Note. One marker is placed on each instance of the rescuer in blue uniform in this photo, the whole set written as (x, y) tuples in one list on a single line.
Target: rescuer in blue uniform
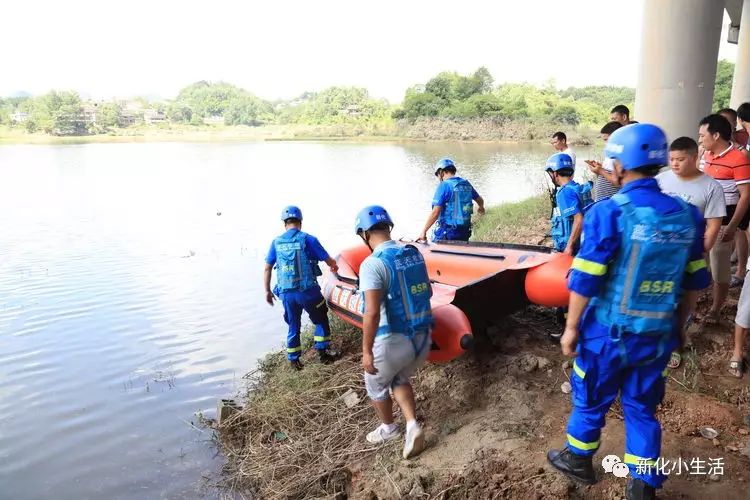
[(296, 255), (452, 205), (571, 199), (396, 325), (640, 261)]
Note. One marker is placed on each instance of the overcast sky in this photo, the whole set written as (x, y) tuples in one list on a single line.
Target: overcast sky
[(280, 48)]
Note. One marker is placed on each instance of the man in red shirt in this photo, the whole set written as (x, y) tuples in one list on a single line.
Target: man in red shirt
[(731, 168)]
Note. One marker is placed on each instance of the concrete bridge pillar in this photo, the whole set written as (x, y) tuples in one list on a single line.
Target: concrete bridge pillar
[(741, 83), (679, 52)]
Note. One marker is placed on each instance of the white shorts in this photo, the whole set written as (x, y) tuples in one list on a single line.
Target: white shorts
[(396, 360)]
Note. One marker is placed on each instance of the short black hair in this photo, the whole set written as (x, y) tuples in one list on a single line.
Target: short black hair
[(560, 136), (622, 109), (649, 170), (717, 124), (610, 127), (292, 220), (728, 111), (451, 169), (686, 144), (743, 112), (381, 226), (565, 172)]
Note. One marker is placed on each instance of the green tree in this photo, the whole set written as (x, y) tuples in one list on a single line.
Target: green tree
[(422, 104), (109, 115), (483, 76), (179, 112), (246, 110), (566, 115), (58, 113), (442, 86), (723, 84)]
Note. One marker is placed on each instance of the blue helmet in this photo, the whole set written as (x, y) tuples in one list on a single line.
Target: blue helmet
[(369, 216), (442, 163), (638, 145), (291, 212), (559, 161)]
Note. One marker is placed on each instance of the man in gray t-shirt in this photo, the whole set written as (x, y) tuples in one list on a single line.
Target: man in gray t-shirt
[(389, 355), (686, 181)]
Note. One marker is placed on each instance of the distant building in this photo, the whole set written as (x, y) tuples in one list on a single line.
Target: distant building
[(131, 113), (151, 116), (19, 117), (89, 110), (214, 120)]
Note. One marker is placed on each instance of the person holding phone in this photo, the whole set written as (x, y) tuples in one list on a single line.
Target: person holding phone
[(605, 184)]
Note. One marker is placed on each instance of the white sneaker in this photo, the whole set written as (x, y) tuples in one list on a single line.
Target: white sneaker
[(382, 434), (414, 442)]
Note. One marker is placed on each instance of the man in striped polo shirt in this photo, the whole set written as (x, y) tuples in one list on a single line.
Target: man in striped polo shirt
[(731, 168)]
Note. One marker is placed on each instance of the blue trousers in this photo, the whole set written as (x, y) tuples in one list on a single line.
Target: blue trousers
[(453, 233), (312, 302), (634, 367)]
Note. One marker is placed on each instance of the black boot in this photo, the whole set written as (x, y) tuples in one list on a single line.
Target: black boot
[(296, 364), (576, 467), (328, 356), (639, 490)]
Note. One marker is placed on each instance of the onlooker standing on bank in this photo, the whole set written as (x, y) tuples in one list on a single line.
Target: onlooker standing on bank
[(605, 184), (686, 181), (731, 168), (560, 143)]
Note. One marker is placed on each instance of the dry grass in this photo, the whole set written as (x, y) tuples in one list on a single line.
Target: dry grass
[(295, 438)]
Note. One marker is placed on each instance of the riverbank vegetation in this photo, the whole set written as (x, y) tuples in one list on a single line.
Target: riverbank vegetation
[(447, 106), (489, 416)]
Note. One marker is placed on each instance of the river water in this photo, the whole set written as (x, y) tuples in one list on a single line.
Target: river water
[(128, 305)]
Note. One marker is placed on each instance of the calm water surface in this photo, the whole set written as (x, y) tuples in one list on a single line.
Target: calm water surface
[(127, 305)]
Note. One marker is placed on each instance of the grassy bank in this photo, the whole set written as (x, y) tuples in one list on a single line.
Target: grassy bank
[(420, 130), (525, 222), (218, 133)]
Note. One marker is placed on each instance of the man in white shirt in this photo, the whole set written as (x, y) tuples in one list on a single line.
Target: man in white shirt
[(560, 143)]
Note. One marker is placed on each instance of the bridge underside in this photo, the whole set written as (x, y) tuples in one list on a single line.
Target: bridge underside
[(679, 53)]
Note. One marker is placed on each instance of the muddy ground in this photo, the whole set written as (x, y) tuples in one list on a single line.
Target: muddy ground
[(491, 416)]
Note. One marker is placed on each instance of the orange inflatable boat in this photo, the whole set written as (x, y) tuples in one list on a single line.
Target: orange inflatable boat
[(473, 285)]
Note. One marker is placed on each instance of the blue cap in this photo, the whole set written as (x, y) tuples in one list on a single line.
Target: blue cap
[(369, 216), (559, 161), (442, 163), (638, 145), (291, 212)]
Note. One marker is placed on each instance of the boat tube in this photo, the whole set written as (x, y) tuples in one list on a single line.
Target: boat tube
[(473, 284)]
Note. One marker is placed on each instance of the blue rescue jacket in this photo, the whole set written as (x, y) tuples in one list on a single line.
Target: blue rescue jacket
[(407, 303), (458, 210), (562, 226), (642, 289), (295, 270)]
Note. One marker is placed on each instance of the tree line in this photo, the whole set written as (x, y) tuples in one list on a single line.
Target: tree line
[(446, 95)]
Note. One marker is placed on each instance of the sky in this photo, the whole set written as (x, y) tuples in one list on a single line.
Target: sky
[(281, 48)]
